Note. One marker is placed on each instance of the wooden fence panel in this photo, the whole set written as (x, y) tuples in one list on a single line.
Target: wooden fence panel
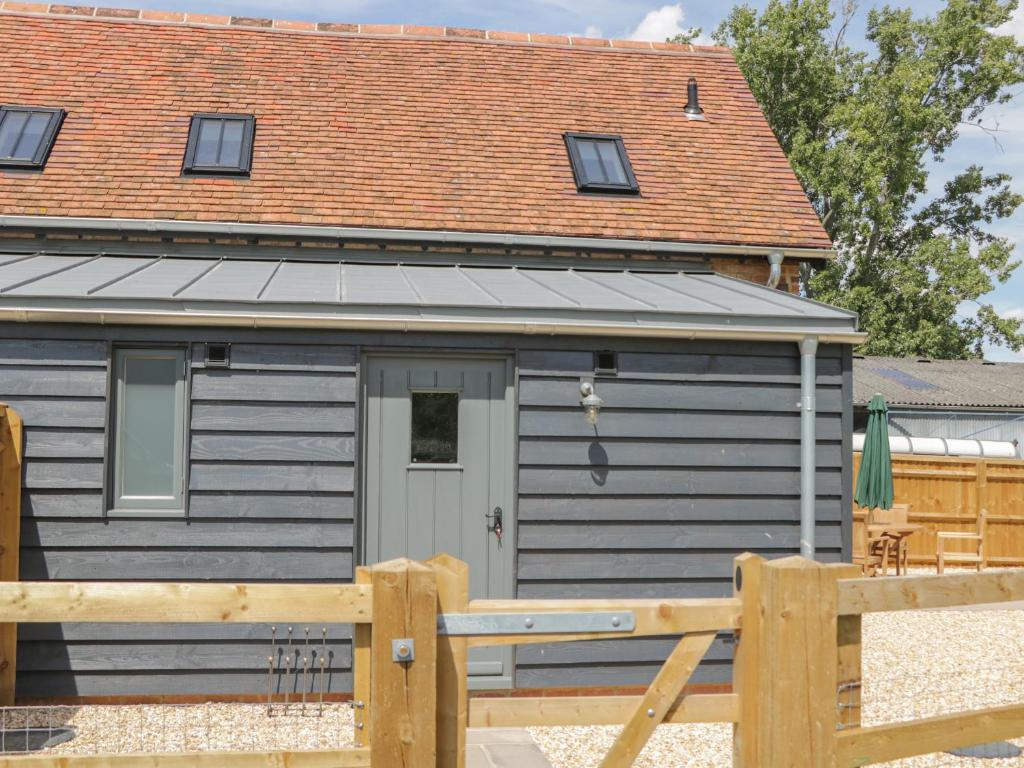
[(945, 494)]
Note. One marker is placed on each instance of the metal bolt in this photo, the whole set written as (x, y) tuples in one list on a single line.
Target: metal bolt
[(358, 704), (359, 726), (615, 621), (650, 713), (403, 650), (528, 622)]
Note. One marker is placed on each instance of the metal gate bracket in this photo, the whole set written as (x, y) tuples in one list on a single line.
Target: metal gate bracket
[(403, 649), (535, 623)]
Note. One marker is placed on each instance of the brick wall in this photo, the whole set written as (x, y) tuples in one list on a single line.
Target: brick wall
[(756, 270)]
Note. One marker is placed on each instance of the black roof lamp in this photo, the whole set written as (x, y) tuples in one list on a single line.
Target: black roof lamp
[(692, 109)]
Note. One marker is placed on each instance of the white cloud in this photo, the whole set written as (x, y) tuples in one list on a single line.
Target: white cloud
[(1015, 26), (661, 24)]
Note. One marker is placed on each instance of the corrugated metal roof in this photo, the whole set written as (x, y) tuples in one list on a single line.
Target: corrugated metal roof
[(347, 292), (939, 383)]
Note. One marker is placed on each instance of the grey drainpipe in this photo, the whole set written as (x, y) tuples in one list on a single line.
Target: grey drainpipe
[(775, 262), (808, 467)]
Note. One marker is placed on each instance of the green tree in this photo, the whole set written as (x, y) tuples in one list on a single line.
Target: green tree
[(687, 37), (860, 126)]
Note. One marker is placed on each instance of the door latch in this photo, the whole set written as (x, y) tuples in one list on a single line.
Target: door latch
[(495, 527)]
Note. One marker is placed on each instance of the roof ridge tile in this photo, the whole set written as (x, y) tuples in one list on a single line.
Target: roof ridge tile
[(339, 28)]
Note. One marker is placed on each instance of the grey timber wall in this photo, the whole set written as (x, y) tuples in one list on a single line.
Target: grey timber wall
[(695, 459), (272, 451)]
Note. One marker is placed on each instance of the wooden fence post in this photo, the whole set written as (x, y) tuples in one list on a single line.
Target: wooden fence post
[(746, 667), (361, 666), (10, 536), (452, 693), (403, 695), (848, 638), (795, 720)]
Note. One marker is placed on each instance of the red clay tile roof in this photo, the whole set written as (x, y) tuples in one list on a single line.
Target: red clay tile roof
[(394, 127)]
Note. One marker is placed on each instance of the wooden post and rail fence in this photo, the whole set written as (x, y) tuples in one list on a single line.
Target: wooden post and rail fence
[(796, 673), (797, 668), (945, 493)]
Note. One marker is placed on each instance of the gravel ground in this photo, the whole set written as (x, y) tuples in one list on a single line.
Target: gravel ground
[(916, 664), (104, 729)]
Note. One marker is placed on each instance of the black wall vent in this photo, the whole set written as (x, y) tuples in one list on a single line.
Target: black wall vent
[(606, 363), (218, 355)]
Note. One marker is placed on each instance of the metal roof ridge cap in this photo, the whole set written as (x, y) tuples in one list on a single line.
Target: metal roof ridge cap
[(8, 221)]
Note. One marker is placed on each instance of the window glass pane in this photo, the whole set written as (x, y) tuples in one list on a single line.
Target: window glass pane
[(231, 146), (612, 162), (435, 427), (591, 162), (208, 143), (32, 137), (148, 425), (10, 131)]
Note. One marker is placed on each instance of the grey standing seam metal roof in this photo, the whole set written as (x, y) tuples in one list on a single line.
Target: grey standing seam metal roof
[(661, 300), (938, 384)]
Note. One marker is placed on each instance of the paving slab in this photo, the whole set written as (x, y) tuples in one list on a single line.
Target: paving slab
[(503, 748)]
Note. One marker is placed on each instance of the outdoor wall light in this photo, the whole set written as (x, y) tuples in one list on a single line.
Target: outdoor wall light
[(590, 401)]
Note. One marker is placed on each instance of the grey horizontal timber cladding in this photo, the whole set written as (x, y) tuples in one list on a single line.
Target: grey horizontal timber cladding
[(680, 509), (285, 357), (623, 566), (55, 352), (612, 674), (63, 473), (38, 502), (690, 396), (640, 649), (240, 476), (93, 632), (300, 505), (55, 442), (120, 533), (568, 422), (691, 453), (51, 381), (272, 447), (272, 386), (668, 536), (152, 564), (638, 589), (201, 682), (169, 656), (670, 480), (59, 412), (273, 417)]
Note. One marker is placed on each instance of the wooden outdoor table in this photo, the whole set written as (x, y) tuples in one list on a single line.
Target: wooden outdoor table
[(897, 531)]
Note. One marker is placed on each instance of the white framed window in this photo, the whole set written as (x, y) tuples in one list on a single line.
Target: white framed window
[(148, 431)]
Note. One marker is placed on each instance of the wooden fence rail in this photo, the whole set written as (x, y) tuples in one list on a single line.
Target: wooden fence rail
[(945, 494)]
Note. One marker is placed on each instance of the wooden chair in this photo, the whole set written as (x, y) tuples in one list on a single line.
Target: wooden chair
[(899, 514), (978, 539), (875, 549)]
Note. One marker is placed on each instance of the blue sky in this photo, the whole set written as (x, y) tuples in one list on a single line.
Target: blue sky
[(656, 20)]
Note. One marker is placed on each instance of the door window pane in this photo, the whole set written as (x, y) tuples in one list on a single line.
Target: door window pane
[(149, 429), (435, 427)]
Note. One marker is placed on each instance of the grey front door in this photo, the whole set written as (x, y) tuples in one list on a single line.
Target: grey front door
[(439, 465)]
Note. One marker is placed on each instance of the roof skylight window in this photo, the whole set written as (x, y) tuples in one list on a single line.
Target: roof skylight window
[(220, 144), (600, 164), (27, 135)]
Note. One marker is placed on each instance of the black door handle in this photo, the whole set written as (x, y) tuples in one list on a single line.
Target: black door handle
[(495, 527)]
